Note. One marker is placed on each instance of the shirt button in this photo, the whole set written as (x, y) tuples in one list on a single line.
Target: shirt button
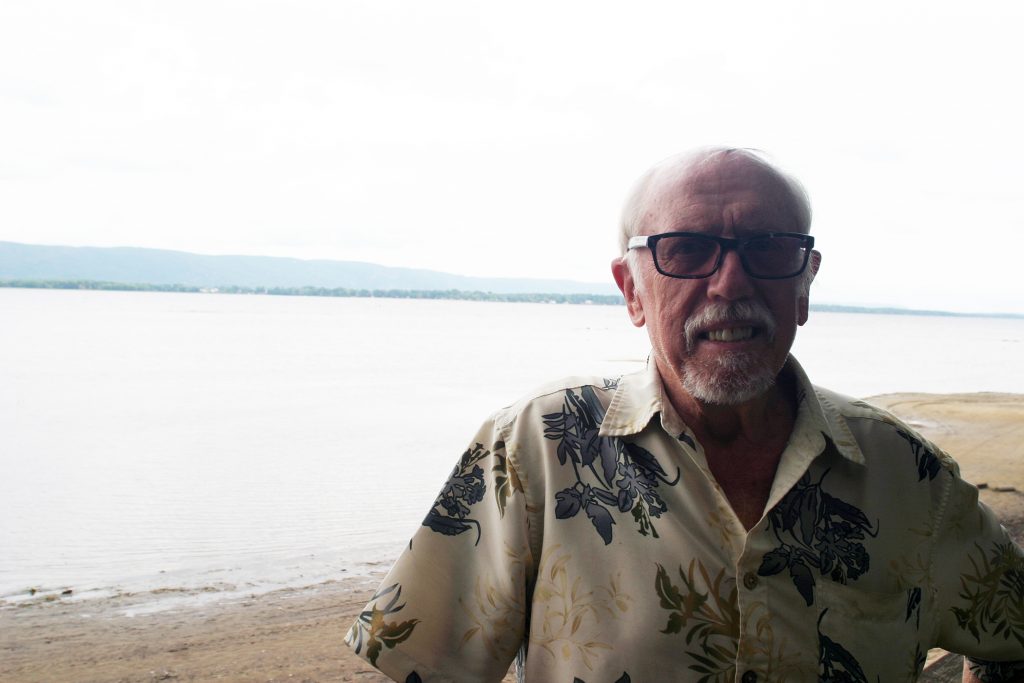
[(749, 677), (750, 583)]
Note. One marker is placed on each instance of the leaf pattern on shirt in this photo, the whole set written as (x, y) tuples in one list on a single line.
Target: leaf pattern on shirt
[(465, 487), (928, 464), (506, 478), (914, 606), (572, 610), (712, 624), (835, 663), (818, 531), (912, 567), (993, 595), (497, 609), (761, 643), (371, 629), (720, 520), (610, 473), (995, 672)]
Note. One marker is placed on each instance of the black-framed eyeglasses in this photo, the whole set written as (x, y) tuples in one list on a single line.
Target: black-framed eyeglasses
[(693, 255)]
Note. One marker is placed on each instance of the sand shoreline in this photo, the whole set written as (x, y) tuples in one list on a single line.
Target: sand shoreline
[(291, 634), (294, 634)]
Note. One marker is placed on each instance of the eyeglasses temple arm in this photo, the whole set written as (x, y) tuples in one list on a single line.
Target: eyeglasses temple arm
[(637, 241)]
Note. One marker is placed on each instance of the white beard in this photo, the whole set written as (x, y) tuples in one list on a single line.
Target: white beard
[(733, 378), (728, 379)]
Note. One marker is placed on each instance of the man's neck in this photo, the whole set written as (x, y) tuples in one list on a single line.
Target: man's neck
[(742, 443)]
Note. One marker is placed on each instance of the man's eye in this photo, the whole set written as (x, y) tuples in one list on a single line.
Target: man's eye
[(691, 247), (763, 244)]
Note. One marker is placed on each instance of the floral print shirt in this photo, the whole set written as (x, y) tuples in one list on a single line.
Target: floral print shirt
[(583, 535)]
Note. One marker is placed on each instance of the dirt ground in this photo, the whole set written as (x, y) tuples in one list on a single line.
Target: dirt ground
[(295, 634)]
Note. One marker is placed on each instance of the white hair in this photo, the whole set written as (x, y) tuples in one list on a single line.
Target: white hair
[(636, 202)]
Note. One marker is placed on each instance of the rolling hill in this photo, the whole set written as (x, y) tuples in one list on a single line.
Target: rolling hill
[(164, 267)]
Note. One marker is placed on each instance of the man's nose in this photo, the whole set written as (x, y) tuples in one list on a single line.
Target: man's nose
[(730, 282)]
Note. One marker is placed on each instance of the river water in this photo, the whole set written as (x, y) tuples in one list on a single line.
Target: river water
[(219, 443)]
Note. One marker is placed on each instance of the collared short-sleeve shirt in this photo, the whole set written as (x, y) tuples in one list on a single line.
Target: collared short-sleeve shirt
[(583, 531)]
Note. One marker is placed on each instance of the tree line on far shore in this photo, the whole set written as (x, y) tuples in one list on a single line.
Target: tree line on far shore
[(458, 294), (598, 299)]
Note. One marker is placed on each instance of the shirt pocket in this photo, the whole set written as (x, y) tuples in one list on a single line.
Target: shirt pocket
[(870, 636)]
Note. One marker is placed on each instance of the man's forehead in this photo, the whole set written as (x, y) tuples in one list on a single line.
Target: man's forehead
[(719, 173), (718, 189)]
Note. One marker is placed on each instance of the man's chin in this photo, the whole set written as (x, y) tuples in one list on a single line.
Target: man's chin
[(728, 384)]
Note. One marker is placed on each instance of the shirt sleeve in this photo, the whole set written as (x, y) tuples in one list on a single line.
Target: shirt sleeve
[(453, 607), (979, 581)]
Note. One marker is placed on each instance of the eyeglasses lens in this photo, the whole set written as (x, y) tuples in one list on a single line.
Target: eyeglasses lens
[(777, 256), (687, 255)]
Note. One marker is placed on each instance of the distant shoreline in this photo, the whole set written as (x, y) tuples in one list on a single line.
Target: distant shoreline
[(448, 294), (342, 292)]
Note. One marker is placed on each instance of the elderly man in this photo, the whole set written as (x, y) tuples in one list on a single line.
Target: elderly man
[(714, 517)]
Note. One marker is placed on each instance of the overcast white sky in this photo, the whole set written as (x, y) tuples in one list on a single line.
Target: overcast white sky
[(500, 138)]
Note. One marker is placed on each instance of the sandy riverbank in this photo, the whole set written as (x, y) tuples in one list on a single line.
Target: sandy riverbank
[(295, 635)]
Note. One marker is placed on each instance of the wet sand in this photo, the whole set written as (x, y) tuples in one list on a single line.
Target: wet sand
[(296, 634)]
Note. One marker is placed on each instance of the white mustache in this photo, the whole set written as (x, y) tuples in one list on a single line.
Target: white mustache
[(740, 313)]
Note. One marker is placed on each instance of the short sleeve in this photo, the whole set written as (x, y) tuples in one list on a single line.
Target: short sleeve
[(453, 607), (979, 575)]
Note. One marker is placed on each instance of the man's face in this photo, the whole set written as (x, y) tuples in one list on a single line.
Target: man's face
[(724, 338)]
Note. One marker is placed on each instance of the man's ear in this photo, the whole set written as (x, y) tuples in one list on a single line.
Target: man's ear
[(803, 302), (624, 279)]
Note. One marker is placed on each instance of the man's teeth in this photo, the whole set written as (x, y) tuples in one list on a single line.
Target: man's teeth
[(731, 334)]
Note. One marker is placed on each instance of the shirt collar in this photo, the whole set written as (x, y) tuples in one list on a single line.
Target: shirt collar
[(639, 397), (635, 401)]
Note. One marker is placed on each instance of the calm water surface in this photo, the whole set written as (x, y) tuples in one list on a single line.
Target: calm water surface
[(242, 443)]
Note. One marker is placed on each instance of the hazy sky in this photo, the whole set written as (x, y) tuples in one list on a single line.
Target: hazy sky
[(491, 138)]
